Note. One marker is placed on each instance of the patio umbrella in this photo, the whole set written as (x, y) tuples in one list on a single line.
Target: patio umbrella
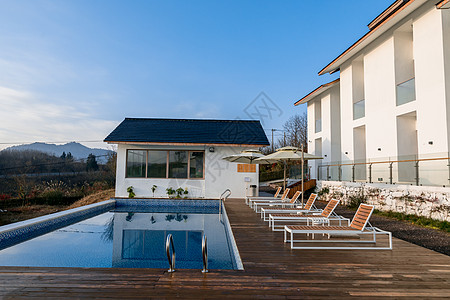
[(246, 157), (287, 154)]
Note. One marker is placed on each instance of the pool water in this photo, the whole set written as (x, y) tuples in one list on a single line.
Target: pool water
[(129, 238)]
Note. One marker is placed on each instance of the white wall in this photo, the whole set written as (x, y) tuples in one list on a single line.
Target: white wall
[(219, 175)]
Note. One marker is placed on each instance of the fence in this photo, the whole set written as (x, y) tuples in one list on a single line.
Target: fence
[(432, 170)]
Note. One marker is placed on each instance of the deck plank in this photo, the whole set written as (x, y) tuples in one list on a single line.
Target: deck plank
[(272, 270)]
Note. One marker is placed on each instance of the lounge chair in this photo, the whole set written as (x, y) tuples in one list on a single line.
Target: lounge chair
[(270, 199), (276, 196), (286, 203), (324, 217), (308, 208), (358, 228)]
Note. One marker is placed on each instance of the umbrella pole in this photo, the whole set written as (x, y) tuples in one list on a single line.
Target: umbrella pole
[(303, 161), (284, 181)]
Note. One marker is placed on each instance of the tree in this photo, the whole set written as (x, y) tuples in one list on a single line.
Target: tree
[(91, 163), (295, 132), (63, 155), (69, 156)]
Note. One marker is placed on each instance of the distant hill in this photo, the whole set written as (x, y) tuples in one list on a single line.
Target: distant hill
[(78, 151)]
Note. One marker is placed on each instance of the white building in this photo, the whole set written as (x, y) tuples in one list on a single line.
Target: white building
[(184, 153), (392, 101)]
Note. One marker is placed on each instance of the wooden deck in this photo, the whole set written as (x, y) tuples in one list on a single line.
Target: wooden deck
[(272, 271)]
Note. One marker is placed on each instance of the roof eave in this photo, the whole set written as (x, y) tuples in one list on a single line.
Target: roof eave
[(370, 36), (316, 92), (186, 144)]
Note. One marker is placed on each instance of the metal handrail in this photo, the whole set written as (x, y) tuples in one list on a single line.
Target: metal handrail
[(169, 242), (387, 161), (224, 192), (205, 254), (223, 198)]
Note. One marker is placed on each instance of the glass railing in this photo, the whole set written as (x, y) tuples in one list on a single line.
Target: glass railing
[(430, 170), (318, 127), (359, 109), (406, 92)]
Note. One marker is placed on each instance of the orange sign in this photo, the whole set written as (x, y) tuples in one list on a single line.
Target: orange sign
[(246, 168)]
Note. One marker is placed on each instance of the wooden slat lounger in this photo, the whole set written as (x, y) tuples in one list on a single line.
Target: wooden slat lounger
[(308, 208), (250, 201), (276, 196), (314, 218), (288, 203), (358, 226)]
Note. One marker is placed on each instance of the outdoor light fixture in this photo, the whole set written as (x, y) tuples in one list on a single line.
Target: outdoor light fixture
[(379, 149), (211, 149), (430, 142)]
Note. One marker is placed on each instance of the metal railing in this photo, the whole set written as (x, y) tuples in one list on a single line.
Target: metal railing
[(205, 254), (433, 171), (171, 259), (223, 197)]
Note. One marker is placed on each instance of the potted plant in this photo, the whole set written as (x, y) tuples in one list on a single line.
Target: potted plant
[(180, 192), (153, 190), (130, 191), (185, 192), (170, 192)]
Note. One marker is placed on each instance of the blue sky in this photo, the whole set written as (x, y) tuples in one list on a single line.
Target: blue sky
[(72, 70)]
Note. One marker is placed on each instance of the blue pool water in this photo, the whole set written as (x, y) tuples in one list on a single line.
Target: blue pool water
[(131, 237)]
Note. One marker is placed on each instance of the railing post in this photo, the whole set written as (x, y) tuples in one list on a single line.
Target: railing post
[(353, 173), (328, 172), (318, 172), (370, 173), (339, 173), (417, 172), (390, 172)]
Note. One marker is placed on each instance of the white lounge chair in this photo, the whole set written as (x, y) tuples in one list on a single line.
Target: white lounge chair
[(275, 196), (270, 199), (324, 217), (287, 203), (308, 208), (359, 227)]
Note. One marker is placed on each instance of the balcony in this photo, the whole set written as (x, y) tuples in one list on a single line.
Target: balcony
[(359, 109), (318, 127), (406, 92)]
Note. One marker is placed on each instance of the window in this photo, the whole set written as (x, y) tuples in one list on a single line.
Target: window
[(165, 164), (136, 160), (178, 164), (196, 164), (157, 164)]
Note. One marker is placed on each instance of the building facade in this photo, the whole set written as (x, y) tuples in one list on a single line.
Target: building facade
[(388, 117), (186, 154)]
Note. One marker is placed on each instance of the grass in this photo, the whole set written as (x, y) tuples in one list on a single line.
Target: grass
[(417, 220), (24, 212)]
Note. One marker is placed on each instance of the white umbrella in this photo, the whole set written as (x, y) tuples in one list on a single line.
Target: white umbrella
[(287, 154), (246, 157)]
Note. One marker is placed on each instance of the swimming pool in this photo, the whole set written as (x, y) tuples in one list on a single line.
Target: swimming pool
[(126, 234)]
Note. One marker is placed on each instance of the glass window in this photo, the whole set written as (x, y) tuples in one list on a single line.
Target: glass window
[(196, 164), (178, 164), (157, 164), (136, 160), (406, 92), (359, 109)]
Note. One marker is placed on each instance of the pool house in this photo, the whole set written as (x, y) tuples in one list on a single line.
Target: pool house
[(184, 153)]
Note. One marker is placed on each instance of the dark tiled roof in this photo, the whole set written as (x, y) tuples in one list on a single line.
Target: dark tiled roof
[(242, 132)]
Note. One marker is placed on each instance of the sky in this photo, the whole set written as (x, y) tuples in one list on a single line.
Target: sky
[(73, 70)]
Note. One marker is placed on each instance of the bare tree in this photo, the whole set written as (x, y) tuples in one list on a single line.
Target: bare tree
[(295, 132)]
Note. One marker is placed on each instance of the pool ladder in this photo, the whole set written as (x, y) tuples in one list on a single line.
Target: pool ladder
[(224, 196), (171, 258)]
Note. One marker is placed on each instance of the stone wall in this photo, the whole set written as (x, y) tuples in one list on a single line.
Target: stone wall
[(427, 201)]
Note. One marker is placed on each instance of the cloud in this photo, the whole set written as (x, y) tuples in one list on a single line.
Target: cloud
[(26, 117)]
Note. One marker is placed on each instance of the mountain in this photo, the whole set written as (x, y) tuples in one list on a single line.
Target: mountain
[(78, 151)]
